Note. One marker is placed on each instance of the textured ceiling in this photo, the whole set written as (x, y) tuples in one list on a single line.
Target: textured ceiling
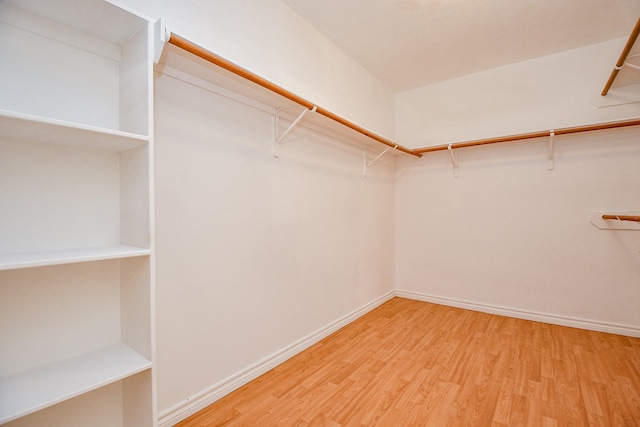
[(411, 43)]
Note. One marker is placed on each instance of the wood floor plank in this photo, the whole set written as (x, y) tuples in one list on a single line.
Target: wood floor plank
[(411, 363), (503, 406)]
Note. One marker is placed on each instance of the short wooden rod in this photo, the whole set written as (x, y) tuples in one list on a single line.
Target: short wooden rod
[(622, 58), (634, 218), (248, 75), (523, 136)]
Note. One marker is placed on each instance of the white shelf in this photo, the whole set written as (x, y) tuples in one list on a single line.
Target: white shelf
[(21, 127), (30, 391), (68, 256)]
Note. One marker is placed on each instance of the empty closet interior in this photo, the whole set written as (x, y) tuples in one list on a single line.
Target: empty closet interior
[(190, 196)]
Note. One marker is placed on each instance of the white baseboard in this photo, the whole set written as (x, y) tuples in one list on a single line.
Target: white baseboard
[(627, 330), (206, 397)]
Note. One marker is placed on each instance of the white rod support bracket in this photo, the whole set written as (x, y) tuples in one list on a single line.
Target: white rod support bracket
[(364, 162), (552, 134), (368, 165), (633, 66), (160, 37), (275, 150), (277, 140), (454, 160)]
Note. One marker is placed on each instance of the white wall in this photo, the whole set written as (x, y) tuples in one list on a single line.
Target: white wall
[(508, 235), (545, 93), (267, 38), (255, 253)]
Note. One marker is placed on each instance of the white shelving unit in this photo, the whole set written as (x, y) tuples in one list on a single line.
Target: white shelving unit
[(76, 281)]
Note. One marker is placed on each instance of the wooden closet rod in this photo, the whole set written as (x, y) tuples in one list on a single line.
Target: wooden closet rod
[(230, 66), (634, 218), (541, 134), (623, 57)]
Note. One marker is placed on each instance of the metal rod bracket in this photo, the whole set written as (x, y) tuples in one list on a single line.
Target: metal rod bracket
[(278, 139), (623, 57), (366, 165), (552, 134), (454, 160), (632, 66)]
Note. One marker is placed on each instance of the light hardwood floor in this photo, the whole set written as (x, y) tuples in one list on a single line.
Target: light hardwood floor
[(410, 363)]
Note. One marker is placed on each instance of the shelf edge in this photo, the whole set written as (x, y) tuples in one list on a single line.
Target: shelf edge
[(70, 256)]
